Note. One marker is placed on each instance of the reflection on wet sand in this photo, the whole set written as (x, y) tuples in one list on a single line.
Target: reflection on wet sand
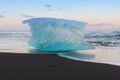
[(107, 55), (77, 55), (68, 54)]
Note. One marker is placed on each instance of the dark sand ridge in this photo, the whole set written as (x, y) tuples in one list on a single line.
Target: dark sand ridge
[(52, 67)]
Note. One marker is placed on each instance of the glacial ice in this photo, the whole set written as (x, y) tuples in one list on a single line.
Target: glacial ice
[(51, 34)]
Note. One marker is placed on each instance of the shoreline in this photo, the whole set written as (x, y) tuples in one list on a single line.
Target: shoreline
[(106, 55), (50, 66)]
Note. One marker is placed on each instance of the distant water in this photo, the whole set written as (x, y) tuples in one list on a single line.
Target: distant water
[(20, 39), (12, 40)]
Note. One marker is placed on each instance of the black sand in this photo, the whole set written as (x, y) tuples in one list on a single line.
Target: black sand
[(53, 67)]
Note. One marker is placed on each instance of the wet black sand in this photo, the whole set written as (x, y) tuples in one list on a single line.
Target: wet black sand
[(52, 67)]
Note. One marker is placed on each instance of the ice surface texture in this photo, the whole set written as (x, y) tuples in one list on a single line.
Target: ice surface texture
[(51, 34)]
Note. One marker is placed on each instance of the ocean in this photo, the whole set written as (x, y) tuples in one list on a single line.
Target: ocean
[(13, 40), (20, 39), (107, 46), (111, 38)]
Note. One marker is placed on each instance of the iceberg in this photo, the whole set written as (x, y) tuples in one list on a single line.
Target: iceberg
[(51, 34)]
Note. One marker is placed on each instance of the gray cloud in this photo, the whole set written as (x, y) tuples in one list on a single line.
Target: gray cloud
[(48, 5), (27, 16), (1, 16)]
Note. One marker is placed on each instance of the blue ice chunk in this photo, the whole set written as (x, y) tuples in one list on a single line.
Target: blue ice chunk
[(51, 34)]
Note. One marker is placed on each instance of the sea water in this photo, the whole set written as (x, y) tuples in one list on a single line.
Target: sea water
[(20, 39), (107, 46), (14, 40)]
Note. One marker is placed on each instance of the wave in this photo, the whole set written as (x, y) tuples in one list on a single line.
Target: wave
[(104, 38)]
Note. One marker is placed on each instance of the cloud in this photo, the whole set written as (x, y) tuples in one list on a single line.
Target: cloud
[(50, 9), (1, 16), (48, 5), (27, 16)]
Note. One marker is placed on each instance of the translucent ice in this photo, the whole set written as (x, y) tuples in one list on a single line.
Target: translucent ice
[(50, 34)]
